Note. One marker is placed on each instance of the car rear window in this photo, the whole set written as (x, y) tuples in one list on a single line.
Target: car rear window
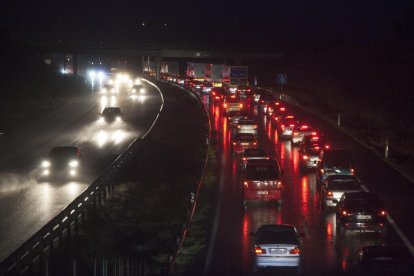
[(245, 138), (362, 204), (281, 237), (337, 161), (262, 172), (254, 152)]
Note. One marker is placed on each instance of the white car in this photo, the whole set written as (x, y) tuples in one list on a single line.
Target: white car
[(277, 245), (247, 126), (336, 185)]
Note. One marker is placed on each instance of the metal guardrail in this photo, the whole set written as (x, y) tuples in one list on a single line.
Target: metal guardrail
[(30, 255), (194, 194)]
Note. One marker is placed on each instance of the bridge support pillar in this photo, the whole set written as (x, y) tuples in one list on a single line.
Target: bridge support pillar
[(158, 67)]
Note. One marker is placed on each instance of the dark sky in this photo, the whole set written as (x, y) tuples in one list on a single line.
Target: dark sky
[(256, 22)]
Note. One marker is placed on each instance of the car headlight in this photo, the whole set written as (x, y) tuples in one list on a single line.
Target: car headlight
[(46, 172), (73, 164), (72, 172), (118, 118), (142, 90), (45, 164)]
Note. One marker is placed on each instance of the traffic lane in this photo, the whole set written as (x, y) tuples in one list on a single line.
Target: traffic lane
[(323, 252), (38, 202), (396, 191)]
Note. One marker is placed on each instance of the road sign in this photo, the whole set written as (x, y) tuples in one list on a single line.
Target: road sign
[(238, 72), (281, 78)]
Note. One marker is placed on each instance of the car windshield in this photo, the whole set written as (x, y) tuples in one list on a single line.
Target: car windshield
[(258, 172), (111, 111), (247, 122), (63, 153), (363, 204), (344, 184), (277, 237)]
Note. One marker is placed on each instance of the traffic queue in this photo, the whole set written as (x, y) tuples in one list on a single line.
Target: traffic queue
[(261, 177)]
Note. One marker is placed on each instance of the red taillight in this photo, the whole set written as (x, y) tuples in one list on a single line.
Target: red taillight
[(382, 213), (217, 98), (329, 194), (238, 126), (254, 143), (345, 213), (327, 147), (234, 143), (233, 96), (352, 171), (248, 90), (282, 126), (241, 105), (291, 125), (317, 148), (305, 157), (295, 133), (295, 251), (314, 133), (282, 109), (304, 127), (225, 105), (259, 250), (244, 158), (214, 93), (245, 184), (279, 185)]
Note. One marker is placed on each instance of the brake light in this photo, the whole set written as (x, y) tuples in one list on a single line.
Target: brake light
[(217, 98), (317, 148), (248, 90), (327, 147), (233, 96), (304, 127), (234, 143), (382, 213), (314, 133), (279, 185), (255, 126), (329, 194), (282, 109), (305, 157), (241, 105), (244, 159), (282, 126), (214, 93), (238, 126), (254, 143), (295, 133), (291, 125), (322, 171), (295, 251), (225, 105), (352, 171), (259, 250), (345, 213), (246, 184)]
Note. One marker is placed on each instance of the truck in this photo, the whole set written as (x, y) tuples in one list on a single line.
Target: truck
[(233, 77)]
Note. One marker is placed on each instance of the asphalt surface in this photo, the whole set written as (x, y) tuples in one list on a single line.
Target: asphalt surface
[(324, 252), (26, 203)]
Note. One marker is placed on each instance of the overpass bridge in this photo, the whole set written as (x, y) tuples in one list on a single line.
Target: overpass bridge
[(157, 52)]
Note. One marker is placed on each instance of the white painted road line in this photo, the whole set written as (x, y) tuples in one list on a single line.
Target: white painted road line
[(397, 229)]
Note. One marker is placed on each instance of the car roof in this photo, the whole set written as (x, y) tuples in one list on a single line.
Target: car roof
[(361, 196), (342, 177), (262, 162), (255, 151), (112, 108), (393, 251), (276, 227)]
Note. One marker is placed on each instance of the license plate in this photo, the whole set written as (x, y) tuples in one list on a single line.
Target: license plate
[(363, 216), (244, 144), (278, 250), (262, 192)]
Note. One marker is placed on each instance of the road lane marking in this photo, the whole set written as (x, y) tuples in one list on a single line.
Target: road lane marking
[(397, 229)]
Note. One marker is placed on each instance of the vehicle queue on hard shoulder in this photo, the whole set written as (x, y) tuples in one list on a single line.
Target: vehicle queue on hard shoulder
[(261, 180)]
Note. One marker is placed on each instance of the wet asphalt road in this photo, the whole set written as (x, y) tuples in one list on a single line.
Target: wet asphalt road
[(324, 252), (27, 203)]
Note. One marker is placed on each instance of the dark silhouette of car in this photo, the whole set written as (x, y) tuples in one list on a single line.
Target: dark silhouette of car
[(111, 114)]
